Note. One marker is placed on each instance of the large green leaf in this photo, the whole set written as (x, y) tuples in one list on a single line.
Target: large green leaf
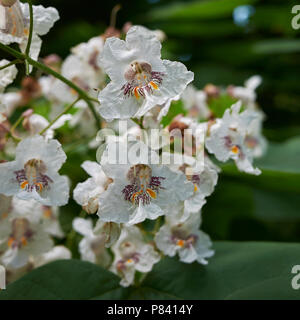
[(282, 157), (247, 270), (197, 10), (66, 279)]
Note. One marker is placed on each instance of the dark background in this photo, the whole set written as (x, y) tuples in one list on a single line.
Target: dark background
[(204, 35)]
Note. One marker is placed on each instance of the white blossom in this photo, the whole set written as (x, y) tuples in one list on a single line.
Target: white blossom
[(34, 172), (92, 246), (227, 138), (140, 80), (132, 254), (184, 238), (14, 25)]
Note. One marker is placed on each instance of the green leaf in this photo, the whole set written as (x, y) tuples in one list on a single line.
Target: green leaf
[(246, 270), (66, 279), (197, 10), (282, 157)]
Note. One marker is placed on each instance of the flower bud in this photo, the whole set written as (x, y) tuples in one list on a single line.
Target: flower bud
[(111, 232), (7, 3)]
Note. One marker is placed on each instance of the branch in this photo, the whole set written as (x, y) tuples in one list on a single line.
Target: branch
[(82, 94), (27, 51), (11, 64), (62, 113)]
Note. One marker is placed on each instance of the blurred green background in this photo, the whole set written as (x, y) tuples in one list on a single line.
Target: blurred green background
[(224, 42)]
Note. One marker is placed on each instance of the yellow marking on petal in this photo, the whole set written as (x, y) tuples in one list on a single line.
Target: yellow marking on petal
[(4, 215), (195, 187), (134, 196), (154, 85), (26, 32), (235, 149), (24, 184), (10, 241), (136, 92), (180, 243), (151, 193), (39, 185), (47, 213), (24, 241), (129, 261)]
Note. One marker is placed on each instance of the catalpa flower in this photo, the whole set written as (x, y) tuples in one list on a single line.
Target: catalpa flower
[(87, 193), (184, 238), (254, 139), (227, 138), (34, 172), (140, 191), (140, 80), (7, 75), (23, 237), (247, 93), (15, 21), (92, 246), (132, 254), (195, 101), (204, 182)]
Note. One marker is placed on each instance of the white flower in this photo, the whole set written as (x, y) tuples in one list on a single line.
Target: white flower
[(204, 182), (254, 139), (132, 254), (25, 238), (185, 239), (7, 75), (195, 101), (2, 278), (87, 193), (247, 93), (227, 138), (34, 172), (140, 80), (140, 191), (89, 53), (92, 246), (14, 25), (56, 253)]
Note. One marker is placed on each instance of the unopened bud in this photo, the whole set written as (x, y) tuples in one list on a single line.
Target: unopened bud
[(110, 230), (211, 90), (7, 3), (92, 206)]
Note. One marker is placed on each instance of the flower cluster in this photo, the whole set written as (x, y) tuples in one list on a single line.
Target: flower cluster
[(152, 173)]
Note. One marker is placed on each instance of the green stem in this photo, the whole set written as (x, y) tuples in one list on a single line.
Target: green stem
[(11, 64), (12, 129), (27, 51), (82, 94), (62, 113)]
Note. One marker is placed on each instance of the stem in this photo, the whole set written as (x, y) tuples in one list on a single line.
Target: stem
[(82, 94), (11, 64), (62, 113), (27, 51), (12, 129), (113, 16), (139, 122)]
